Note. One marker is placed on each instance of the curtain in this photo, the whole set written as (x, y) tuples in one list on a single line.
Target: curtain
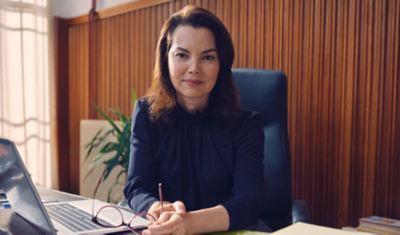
[(25, 85)]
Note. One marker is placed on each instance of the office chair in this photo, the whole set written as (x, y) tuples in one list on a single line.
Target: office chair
[(264, 91)]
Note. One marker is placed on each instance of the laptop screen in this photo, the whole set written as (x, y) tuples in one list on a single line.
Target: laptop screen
[(21, 193)]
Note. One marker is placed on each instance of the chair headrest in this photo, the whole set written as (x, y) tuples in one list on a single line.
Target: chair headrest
[(263, 91)]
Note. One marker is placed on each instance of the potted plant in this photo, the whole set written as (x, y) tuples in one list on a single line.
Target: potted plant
[(118, 148)]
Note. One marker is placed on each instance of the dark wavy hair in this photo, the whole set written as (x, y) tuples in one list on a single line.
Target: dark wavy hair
[(224, 98)]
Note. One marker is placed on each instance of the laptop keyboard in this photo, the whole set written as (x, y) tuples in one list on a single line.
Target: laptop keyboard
[(73, 218)]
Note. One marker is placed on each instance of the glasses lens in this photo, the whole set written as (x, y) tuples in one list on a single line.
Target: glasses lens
[(109, 216), (138, 219)]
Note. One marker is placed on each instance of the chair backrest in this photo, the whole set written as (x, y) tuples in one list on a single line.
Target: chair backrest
[(265, 91)]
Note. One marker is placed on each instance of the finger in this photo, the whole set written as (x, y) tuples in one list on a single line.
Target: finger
[(151, 222), (146, 232), (174, 221), (173, 207), (152, 216), (179, 207), (152, 211), (157, 205), (164, 217), (170, 226), (169, 207), (155, 209), (157, 212)]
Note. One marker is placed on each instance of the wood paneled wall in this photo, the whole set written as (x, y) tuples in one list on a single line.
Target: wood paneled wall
[(341, 59)]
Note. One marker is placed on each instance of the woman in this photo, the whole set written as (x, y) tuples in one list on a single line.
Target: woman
[(190, 134)]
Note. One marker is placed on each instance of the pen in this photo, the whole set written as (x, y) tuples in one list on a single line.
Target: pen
[(161, 198)]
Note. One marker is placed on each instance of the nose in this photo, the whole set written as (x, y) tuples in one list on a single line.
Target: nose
[(194, 66)]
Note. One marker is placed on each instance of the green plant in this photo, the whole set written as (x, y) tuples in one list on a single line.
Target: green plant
[(120, 147)]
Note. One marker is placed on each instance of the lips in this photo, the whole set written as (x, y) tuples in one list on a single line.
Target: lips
[(193, 82)]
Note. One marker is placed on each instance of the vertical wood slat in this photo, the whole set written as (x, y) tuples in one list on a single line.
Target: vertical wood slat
[(342, 63), (78, 102), (61, 55)]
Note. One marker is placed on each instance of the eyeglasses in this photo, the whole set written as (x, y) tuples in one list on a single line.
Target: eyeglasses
[(113, 212)]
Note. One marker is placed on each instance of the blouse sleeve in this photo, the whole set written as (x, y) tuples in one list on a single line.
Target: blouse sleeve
[(248, 180), (141, 187)]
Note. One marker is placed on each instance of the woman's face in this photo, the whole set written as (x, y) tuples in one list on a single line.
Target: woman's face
[(193, 64)]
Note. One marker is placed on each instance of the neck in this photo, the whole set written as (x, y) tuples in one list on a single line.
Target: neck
[(193, 105)]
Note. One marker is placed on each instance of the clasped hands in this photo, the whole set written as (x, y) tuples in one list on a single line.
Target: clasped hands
[(170, 219)]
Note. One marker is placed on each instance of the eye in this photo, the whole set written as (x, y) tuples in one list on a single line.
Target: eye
[(181, 55), (209, 57)]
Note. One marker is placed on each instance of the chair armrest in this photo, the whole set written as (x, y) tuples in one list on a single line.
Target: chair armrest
[(300, 211)]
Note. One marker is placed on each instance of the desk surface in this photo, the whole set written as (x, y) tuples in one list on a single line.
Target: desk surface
[(48, 195), (11, 223)]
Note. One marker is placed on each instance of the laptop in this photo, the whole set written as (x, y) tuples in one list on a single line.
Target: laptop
[(24, 199)]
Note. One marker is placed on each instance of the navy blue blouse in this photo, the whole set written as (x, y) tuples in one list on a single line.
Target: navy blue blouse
[(198, 162)]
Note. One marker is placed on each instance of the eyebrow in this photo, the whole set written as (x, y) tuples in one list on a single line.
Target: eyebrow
[(204, 52)]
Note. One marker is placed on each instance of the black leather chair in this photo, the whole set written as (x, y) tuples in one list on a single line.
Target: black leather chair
[(265, 91)]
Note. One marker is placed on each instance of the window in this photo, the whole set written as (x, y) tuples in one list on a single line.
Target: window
[(25, 116)]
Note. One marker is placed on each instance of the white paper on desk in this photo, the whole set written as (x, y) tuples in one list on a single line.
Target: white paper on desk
[(312, 229)]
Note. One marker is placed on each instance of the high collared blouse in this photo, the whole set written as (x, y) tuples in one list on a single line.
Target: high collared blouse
[(199, 162)]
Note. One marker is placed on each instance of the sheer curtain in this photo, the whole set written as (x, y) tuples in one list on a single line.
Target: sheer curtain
[(25, 85)]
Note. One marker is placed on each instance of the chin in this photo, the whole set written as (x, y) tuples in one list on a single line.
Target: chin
[(193, 95)]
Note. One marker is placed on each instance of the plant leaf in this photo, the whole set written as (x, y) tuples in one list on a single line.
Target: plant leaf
[(96, 141), (121, 146), (121, 116), (116, 183), (121, 173), (107, 148), (92, 143), (105, 116)]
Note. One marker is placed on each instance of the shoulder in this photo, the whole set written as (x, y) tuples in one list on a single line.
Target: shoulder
[(247, 117), (243, 120), (140, 114), (249, 125), (142, 104), (141, 108)]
